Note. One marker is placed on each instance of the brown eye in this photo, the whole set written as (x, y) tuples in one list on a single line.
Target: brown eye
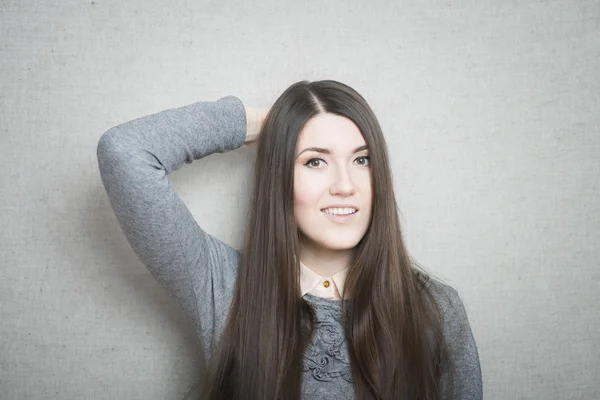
[(366, 160), (313, 162)]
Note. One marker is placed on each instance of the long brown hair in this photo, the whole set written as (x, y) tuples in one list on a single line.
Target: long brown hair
[(393, 325)]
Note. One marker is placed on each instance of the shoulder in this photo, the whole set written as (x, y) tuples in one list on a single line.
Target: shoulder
[(451, 307), (445, 295)]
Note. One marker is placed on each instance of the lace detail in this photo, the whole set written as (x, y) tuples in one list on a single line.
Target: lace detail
[(326, 357)]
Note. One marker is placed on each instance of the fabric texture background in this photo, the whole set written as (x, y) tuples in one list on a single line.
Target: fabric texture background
[(492, 116)]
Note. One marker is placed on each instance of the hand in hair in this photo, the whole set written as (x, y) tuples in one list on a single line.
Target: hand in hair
[(254, 120)]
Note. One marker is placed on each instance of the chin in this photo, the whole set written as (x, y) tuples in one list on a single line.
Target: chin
[(339, 245), (332, 240)]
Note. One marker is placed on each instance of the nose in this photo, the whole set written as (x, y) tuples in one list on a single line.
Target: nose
[(343, 184)]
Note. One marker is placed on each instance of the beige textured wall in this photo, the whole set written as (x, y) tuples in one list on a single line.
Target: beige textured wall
[(491, 110)]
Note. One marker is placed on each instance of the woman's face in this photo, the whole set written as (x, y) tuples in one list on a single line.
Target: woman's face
[(332, 183)]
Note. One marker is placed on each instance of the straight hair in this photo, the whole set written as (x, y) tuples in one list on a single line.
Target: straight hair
[(393, 324)]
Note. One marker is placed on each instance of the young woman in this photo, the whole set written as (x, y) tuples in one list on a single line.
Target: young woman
[(323, 301)]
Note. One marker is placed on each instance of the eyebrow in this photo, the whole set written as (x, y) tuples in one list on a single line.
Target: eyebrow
[(327, 151)]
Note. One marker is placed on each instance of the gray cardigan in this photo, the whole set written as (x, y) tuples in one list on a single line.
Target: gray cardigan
[(199, 270)]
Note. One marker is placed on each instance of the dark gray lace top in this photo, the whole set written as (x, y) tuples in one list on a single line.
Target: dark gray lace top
[(199, 270)]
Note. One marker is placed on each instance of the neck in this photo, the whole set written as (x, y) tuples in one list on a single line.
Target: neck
[(325, 262)]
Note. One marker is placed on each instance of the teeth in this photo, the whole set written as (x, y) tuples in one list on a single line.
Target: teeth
[(339, 211)]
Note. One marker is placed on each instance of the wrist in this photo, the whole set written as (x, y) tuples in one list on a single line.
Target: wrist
[(254, 120)]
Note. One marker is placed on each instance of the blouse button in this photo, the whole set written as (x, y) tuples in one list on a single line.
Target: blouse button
[(326, 284)]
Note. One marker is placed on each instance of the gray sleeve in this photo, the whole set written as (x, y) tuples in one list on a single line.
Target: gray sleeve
[(134, 159), (462, 380)]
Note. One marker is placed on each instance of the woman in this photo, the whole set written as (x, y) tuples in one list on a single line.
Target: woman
[(323, 302)]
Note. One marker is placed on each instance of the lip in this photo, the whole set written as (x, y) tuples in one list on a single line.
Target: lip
[(338, 205), (340, 218)]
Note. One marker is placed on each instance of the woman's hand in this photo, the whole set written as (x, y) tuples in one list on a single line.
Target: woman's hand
[(254, 121)]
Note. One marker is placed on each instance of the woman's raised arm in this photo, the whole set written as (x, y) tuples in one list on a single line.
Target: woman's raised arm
[(134, 159)]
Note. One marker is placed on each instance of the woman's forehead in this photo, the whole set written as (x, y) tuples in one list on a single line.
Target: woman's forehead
[(333, 132)]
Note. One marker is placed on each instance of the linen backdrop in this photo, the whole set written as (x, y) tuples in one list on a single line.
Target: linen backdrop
[(491, 110)]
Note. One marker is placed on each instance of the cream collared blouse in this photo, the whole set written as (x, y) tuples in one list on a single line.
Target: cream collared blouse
[(328, 287)]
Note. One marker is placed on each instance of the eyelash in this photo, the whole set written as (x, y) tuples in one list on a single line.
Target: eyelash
[(316, 158)]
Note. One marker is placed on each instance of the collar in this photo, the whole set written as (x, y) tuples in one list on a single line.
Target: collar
[(309, 279)]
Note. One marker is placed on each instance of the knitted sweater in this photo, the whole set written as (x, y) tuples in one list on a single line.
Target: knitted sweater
[(199, 270)]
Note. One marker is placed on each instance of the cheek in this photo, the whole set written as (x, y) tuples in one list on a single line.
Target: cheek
[(308, 191), (364, 183)]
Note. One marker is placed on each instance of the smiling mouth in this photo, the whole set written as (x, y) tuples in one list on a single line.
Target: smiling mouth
[(339, 212)]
